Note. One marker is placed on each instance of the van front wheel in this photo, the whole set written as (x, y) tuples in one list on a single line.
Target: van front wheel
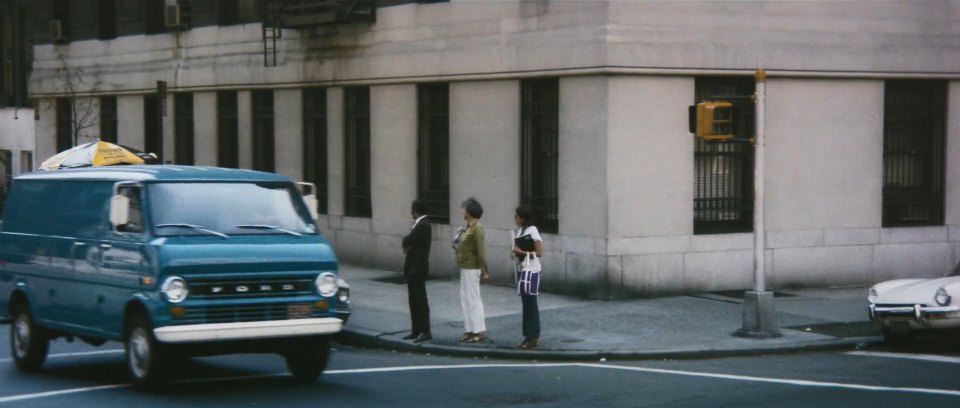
[(28, 344), (144, 355), (309, 359)]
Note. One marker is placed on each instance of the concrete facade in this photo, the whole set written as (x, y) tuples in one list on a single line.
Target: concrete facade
[(627, 72)]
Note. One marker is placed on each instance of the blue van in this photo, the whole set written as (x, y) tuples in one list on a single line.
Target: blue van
[(173, 261)]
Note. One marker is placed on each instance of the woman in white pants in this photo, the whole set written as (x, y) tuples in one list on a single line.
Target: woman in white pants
[(471, 258)]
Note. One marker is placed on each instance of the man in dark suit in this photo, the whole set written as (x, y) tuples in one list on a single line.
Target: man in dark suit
[(416, 246)]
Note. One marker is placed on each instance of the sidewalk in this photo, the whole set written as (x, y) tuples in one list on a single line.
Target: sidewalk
[(573, 328)]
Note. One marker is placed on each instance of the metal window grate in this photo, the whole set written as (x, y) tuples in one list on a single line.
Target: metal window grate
[(723, 172), (357, 152), (64, 124), (315, 142), (183, 128), (108, 119), (539, 146), (263, 131), (433, 150), (228, 153), (152, 126), (914, 120)]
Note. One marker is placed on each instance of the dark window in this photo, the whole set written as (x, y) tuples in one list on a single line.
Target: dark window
[(433, 149), (723, 172), (108, 119), (315, 142), (153, 16), (228, 12), (130, 17), (152, 131), (914, 122), (183, 128), (83, 20), (263, 140), (357, 151), (539, 150), (107, 19), (6, 53), (227, 126), (61, 13), (64, 124), (203, 13)]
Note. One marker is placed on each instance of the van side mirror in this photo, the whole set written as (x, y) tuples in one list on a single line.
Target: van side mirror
[(309, 192), (119, 210)]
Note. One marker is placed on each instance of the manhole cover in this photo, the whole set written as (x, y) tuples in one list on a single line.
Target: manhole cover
[(841, 329), (516, 399)]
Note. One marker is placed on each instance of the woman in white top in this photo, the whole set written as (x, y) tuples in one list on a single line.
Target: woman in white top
[(531, 312)]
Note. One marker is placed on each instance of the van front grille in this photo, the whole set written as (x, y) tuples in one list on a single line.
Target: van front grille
[(251, 288), (245, 313)]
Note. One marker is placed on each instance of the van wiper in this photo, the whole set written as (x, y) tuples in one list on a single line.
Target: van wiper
[(270, 227), (196, 227)]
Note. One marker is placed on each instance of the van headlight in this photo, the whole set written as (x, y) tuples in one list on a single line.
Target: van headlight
[(175, 289), (942, 297), (326, 284), (872, 295)]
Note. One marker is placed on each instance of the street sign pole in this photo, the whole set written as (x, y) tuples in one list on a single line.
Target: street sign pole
[(759, 315)]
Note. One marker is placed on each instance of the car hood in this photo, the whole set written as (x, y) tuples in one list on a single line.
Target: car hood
[(196, 255), (911, 291)]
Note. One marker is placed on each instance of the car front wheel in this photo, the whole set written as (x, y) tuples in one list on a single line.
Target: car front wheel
[(145, 356), (309, 359), (28, 344)]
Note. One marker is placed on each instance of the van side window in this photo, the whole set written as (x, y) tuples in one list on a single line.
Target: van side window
[(136, 215), (83, 209), (36, 203)]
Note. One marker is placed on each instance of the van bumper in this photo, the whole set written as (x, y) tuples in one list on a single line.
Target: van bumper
[(248, 330)]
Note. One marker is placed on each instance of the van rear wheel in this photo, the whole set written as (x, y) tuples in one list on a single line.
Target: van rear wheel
[(28, 344), (309, 359), (145, 356)]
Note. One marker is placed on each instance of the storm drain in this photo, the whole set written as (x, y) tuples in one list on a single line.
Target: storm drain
[(840, 329)]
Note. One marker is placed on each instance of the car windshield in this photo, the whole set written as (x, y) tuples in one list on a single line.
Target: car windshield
[(227, 208)]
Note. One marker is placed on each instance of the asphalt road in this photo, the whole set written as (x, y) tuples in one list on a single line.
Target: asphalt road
[(77, 376)]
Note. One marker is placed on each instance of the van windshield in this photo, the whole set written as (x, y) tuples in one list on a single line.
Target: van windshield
[(227, 208)]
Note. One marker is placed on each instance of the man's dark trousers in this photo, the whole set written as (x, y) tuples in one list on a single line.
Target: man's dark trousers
[(416, 266)]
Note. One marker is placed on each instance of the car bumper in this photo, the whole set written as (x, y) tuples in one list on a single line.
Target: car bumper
[(916, 316), (248, 330)]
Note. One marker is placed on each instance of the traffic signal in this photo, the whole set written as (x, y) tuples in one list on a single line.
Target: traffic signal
[(713, 121)]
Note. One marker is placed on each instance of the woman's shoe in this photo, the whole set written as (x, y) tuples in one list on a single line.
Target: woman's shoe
[(477, 337), (466, 337)]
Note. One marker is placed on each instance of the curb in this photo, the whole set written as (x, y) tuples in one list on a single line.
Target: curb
[(372, 339)]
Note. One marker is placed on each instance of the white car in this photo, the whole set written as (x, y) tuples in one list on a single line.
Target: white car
[(903, 307)]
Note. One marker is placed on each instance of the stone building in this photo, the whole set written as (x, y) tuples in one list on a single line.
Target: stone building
[(578, 108), (16, 113)]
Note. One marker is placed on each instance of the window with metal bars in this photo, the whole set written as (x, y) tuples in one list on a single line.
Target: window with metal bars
[(433, 149), (228, 154), (914, 120), (64, 124), (263, 131), (183, 128), (723, 172), (357, 151), (315, 142), (539, 150), (152, 133), (108, 119)]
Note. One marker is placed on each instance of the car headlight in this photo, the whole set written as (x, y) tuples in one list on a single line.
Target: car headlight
[(872, 295), (343, 295), (175, 289), (326, 284), (942, 297)]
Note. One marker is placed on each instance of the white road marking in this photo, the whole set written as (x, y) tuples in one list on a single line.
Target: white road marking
[(921, 357), (81, 354), (784, 381)]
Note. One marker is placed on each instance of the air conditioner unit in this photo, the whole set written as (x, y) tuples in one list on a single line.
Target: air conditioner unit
[(56, 31), (171, 15)]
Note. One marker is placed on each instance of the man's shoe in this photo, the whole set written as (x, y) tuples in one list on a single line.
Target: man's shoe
[(411, 336), (422, 338)]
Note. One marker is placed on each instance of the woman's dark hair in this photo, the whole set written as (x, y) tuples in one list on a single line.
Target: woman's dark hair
[(473, 207), (526, 214)]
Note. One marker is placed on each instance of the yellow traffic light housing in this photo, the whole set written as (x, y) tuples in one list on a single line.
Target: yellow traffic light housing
[(714, 121)]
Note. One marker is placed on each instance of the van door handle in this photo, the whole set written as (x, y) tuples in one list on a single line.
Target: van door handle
[(78, 243), (106, 246)]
